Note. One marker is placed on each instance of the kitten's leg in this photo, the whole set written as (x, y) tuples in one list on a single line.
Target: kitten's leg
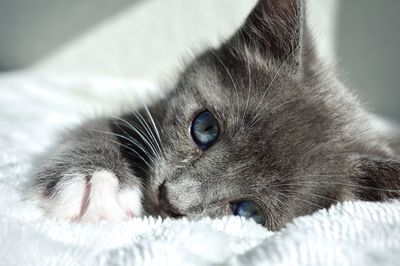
[(85, 177)]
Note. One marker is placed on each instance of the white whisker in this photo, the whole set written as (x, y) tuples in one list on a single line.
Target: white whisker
[(130, 141), (139, 132), (231, 78)]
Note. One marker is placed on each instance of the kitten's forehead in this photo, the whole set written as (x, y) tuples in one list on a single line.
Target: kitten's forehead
[(261, 100), (235, 84)]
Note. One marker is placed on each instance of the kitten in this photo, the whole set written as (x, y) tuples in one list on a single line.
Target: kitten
[(256, 128)]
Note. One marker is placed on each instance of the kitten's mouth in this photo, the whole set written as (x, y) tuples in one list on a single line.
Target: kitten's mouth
[(165, 208)]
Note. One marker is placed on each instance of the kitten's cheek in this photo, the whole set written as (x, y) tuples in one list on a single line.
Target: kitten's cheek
[(96, 199)]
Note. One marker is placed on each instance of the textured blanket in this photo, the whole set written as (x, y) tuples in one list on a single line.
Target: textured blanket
[(33, 108)]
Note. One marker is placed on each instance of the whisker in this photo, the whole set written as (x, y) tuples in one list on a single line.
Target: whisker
[(285, 207), (315, 175), (218, 86), (131, 150), (345, 184), (138, 131), (146, 125), (129, 141), (256, 118), (306, 201), (311, 194), (273, 80), (276, 75), (154, 127), (135, 141), (149, 133), (147, 128), (231, 78), (249, 88)]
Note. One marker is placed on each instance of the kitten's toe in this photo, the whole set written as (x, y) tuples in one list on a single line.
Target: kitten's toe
[(130, 201), (97, 199)]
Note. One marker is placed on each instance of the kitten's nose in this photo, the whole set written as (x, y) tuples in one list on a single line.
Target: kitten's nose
[(164, 204)]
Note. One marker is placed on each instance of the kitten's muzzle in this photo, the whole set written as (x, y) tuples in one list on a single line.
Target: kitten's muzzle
[(164, 206)]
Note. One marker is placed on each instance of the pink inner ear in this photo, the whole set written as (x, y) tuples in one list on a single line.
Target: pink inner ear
[(85, 200)]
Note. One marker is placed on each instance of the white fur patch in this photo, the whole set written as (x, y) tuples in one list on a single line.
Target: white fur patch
[(103, 203), (69, 198), (130, 201), (97, 199)]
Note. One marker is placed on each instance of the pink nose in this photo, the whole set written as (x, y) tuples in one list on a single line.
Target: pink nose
[(164, 204)]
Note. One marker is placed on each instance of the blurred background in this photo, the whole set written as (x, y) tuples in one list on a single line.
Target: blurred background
[(150, 39)]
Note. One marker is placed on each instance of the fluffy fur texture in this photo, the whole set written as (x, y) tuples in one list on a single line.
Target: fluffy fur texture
[(292, 139)]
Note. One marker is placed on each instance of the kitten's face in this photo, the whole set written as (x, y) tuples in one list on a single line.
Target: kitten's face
[(273, 140), (289, 136)]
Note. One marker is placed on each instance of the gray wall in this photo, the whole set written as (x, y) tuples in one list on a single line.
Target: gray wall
[(147, 39), (32, 29), (143, 39), (367, 45)]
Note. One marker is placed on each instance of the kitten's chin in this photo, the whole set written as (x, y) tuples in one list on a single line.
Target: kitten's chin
[(163, 212), (168, 214)]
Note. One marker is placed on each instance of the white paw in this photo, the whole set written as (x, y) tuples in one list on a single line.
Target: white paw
[(98, 199)]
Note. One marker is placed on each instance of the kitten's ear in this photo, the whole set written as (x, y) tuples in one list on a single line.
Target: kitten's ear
[(274, 28), (379, 179)]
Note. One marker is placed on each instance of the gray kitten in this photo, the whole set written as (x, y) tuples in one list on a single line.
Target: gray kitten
[(258, 128)]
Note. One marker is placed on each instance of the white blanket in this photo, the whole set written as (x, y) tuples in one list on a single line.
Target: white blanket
[(33, 108)]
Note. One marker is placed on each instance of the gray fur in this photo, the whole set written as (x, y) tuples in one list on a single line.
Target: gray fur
[(293, 138)]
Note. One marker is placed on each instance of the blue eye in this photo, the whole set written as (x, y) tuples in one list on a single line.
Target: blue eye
[(204, 130), (248, 209)]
